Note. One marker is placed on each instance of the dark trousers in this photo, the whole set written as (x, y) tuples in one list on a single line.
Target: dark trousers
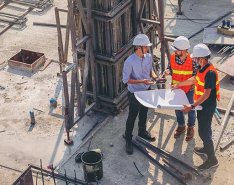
[(204, 118), (135, 108), (191, 113)]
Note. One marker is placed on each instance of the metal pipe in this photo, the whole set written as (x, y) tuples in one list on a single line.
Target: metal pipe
[(184, 176), (144, 151), (160, 151), (221, 49), (225, 50), (90, 130)]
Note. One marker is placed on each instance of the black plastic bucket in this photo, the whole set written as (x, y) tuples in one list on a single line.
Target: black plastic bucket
[(92, 166)]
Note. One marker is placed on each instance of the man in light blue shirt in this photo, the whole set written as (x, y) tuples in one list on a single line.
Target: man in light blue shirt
[(137, 74)]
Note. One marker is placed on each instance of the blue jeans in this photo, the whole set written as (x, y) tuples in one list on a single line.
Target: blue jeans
[(191, 114)]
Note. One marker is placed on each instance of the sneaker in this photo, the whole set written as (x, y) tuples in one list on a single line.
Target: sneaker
[(179, 131), (190, 134), (200, 151), (129, 147), (208, 164), (146, 135)]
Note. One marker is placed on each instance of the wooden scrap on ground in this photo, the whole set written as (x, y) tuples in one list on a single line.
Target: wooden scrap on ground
[(224, 146)]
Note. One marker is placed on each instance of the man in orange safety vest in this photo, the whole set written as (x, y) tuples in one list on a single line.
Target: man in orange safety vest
[(181, 67), (206, 94)]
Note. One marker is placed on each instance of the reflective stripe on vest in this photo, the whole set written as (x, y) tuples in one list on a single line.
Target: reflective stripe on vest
[(181, 72), (200, 83), (178, 72)]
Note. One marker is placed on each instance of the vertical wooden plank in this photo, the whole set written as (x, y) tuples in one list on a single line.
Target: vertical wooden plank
[(155, 9), (82, 14), (72, 97), (74, 52), (116, 78), (108, 38), (85, 78), (60, 39), (66, 100), (110, 81), (91, 57), (67, 37)]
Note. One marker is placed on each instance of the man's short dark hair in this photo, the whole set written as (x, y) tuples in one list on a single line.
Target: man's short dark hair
[(207, 57)]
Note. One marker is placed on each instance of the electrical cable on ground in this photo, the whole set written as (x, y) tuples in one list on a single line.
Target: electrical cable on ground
[(137, 169)]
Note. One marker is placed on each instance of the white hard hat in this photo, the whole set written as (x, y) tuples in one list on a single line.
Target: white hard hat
[(200, 50), (141, 40), (180, 43)]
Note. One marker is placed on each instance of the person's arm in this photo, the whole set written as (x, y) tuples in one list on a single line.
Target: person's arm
[(168, 70), (210, 83), (153, 75), (144, 81), (189, 81), (199, 101)]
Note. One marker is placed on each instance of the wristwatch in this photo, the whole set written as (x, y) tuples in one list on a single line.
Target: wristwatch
[(193, 106)]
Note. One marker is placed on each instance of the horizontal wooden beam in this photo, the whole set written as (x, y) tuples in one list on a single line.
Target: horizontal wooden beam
[(149, 21), (82, 41)]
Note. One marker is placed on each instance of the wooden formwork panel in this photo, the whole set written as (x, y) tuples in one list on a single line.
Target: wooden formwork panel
[(109, 77), (113, 34), (104, 5), (148, 9)]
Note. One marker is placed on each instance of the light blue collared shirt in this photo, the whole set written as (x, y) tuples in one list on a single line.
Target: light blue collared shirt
[(137, 68)]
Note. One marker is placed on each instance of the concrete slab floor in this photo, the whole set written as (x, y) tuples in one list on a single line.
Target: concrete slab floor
[(22, 144)]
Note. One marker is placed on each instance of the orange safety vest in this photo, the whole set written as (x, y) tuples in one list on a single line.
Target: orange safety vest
[(181, 72), (200, 83)]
